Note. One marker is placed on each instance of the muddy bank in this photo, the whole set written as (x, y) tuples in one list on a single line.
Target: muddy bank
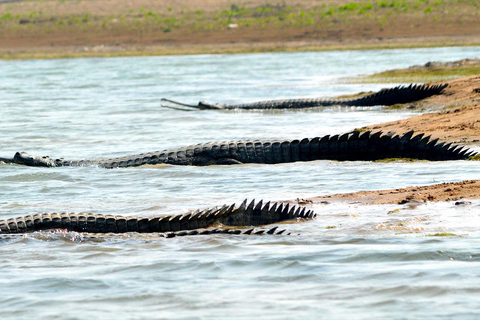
[(457, 191), (53, 29), (452, 116), (429, 72)]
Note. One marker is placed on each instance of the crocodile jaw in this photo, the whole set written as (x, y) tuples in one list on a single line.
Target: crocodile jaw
[(34, 161)]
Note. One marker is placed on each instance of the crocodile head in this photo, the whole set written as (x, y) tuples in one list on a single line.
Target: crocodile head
[(34, 161), (209, 106)]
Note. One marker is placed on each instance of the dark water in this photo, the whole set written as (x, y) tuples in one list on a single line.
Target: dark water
[(351, 262)]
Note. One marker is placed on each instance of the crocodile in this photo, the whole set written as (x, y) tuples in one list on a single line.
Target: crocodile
[(385, 97), (191, 223), (353, 146)]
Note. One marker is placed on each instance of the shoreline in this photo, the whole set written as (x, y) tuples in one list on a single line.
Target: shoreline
[(452, 116), (123, 50), (441, 192), (50, 29)]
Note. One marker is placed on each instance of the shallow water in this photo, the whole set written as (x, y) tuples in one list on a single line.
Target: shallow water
[(351, 262)]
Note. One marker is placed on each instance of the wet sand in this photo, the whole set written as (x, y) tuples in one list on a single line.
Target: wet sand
[(57, 29), (453, 116), (456, 191)]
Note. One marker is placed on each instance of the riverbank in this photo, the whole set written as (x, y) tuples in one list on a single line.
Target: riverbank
[(455, 191), (452, 116), (65, 29)]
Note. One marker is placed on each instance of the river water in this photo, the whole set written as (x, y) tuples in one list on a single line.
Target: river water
[(351, 262)]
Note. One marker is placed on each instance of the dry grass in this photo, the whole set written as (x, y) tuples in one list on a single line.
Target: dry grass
[(126, 27), (430, 72)]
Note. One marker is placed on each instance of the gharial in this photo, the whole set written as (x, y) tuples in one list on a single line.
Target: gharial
[(385, 97), (192, 223), (353, 146)]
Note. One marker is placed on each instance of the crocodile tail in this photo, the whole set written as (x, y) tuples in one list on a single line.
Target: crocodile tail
[(367, 146), (259, 213), (399, 95), (283, 104), (352, 146), (98, 223), (253, 231), (252, 215)]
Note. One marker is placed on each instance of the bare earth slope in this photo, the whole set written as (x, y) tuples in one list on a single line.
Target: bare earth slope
[(53, 28), (457, 119), (439, 192)]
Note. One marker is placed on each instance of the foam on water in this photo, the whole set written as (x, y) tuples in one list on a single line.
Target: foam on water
[(352, 261)]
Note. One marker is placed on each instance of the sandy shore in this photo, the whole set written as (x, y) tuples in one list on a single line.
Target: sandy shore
[(84, 28), (453, 116), (457, 191)]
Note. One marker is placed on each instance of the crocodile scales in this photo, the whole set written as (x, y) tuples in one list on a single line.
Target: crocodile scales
[(385, 97), (247, 214), (353, 146)]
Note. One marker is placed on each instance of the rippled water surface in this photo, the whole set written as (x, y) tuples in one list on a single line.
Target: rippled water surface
[(351, 262)]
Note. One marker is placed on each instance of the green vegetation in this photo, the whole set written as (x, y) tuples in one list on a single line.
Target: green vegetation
[(360, 130), (398, 106), (329, 26), (425, 74), (394, 211), (442, 234), (431, 72), (388, 160), (375, 13), (474, 158)]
